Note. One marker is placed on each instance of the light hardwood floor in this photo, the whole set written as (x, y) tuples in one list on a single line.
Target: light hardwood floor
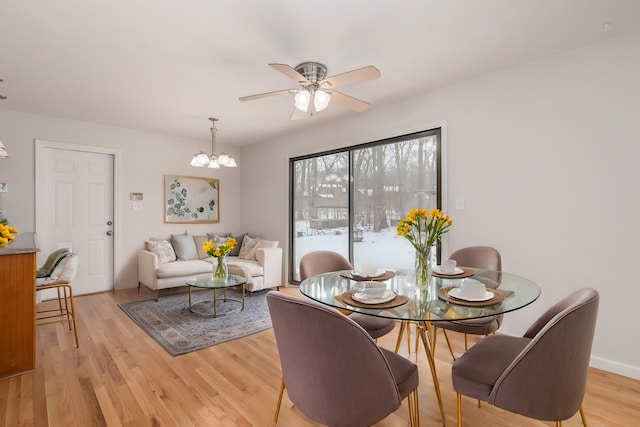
[(121, 376)]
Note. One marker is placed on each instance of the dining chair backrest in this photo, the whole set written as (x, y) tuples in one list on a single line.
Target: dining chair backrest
[(319, 262), (333, 370), (548, 379), (478, 257)]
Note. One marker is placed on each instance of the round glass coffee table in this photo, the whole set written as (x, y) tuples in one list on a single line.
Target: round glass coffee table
[(209, 307)]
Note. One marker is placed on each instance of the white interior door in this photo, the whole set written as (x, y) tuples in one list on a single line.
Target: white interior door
[(75, 210)]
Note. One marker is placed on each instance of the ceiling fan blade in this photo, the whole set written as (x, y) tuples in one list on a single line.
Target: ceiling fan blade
[(360, 75), (266, 94), (290, 72), (348, 101), (297, 114)]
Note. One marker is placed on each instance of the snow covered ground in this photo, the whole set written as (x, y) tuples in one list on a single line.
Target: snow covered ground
[(385, 248)]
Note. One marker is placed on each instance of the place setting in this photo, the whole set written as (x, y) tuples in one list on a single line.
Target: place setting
[(372, 294), (472, 293), (449, 269), (368, 272)]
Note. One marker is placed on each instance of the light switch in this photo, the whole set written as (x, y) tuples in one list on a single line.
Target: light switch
[(459, 203)]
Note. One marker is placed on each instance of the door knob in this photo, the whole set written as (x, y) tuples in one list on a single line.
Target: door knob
[(109, 233)]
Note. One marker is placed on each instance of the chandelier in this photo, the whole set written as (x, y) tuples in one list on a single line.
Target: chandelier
[(214, 160)]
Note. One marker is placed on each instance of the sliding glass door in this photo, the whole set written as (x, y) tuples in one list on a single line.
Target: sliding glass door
[(349, 201)]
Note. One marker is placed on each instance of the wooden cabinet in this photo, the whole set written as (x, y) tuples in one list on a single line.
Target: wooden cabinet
[(17, 305)]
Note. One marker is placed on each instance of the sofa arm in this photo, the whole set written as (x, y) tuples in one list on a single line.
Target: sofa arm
[(147, 266), (271, 261)]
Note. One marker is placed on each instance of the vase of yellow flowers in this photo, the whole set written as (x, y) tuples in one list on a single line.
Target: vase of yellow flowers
[(423, 228), (220, 252)]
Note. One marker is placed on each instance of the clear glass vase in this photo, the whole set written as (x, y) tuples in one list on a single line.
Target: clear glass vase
[(221, 271), (423, 268)]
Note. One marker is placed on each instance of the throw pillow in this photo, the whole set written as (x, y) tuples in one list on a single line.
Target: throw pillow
[(199, 240), (236, 250), (248, 249), (163, 249), (52, 261), (184, 246), (219, 239)]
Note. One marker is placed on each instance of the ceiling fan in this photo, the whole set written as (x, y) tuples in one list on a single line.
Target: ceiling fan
[(317, 91)]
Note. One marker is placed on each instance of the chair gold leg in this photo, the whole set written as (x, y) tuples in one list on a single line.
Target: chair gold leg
[(73, 316), (422, 330), (466, 342), (584, 418), (414, 408), (459, 410), (275, 418), (446, 337), (558, 423), (403, 324)]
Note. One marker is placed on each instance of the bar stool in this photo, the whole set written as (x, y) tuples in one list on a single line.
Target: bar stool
[(60, 279)]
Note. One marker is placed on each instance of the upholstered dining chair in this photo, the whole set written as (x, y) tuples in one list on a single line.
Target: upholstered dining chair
[(319, 262), (541, 375), (60, 279), (484, 257), (332, 369)]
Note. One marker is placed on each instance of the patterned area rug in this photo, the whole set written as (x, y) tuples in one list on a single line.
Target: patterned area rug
[(180, 331)]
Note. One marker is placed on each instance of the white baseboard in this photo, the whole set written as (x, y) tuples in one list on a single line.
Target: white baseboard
[(616, 367)]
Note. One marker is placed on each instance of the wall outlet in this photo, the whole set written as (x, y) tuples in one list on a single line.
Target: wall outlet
[(3, 213), (3, 187)]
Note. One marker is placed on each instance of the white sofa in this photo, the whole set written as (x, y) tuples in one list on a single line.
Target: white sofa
[(168, 263)]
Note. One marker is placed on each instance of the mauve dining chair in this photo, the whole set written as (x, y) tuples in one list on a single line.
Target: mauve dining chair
[(484, 257), (333, 371), (318, 262), (541, 375)]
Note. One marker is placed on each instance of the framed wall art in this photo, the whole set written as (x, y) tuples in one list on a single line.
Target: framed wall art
[(191, 199)]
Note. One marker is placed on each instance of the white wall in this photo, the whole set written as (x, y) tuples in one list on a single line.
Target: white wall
[(546, 156), (145, 159)]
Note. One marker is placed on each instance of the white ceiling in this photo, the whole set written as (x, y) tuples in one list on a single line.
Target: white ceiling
[(165, 66)]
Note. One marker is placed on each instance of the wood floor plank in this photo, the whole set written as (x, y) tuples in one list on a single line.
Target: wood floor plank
[(121, 377)]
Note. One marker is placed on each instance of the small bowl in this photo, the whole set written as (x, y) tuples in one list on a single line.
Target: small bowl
[(374, 289)]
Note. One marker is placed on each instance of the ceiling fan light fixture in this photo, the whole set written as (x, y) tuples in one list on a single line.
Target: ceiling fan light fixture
[(302, 100), (321, 100)]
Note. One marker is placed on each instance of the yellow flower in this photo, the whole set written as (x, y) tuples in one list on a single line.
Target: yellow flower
[(424, 228)]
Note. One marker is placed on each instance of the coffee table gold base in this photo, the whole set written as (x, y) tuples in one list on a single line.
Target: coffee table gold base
[(194, 307)]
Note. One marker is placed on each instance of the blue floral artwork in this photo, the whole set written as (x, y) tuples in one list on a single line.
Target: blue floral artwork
[(191, 199)]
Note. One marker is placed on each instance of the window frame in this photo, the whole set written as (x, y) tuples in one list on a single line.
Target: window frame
[(436, 131)]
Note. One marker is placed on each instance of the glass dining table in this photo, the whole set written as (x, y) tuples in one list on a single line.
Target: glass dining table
[(423, 305)]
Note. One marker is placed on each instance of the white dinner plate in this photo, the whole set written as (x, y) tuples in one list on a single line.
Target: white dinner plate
[(361, 274), (455, 272), (386, 297), (457, 293)]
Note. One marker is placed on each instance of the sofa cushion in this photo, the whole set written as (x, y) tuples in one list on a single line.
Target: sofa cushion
[(248, 248), (199, 240), (183, 268), (249, 266), (184, 246), (163, 249)]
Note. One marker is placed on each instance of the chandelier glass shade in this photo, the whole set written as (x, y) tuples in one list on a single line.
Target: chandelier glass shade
[(3, 151), (214, 160)]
